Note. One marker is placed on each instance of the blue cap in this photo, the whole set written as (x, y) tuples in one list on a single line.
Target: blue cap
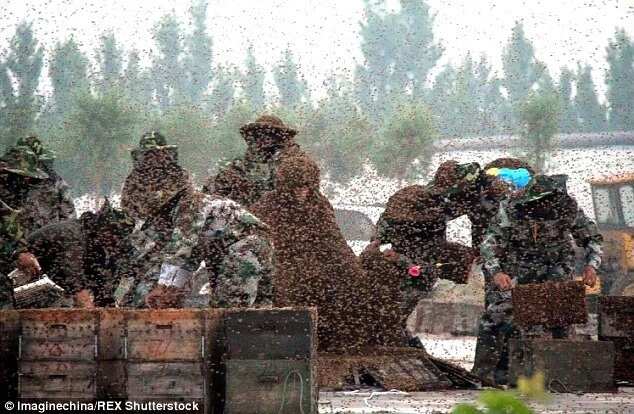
[(519, 177)]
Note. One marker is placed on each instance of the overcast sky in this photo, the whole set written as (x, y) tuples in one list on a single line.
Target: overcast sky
[(324, 33)]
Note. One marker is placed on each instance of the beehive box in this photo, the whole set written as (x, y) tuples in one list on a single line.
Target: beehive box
[(624, 359), (58, 354), (616, 324), (9, 346), (616, 317), (550, 304), (165, 355), (270, 361), (569, 366), (406, 369), (448, 317)]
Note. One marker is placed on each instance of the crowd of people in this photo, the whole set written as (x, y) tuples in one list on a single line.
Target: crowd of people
[(260, 233)]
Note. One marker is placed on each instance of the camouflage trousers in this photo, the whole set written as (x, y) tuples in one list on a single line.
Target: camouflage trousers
[(496, 326)]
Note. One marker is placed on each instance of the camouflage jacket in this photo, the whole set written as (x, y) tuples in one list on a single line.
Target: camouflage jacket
[(246, 179), (43, 203), (232, 243), (514, 245)]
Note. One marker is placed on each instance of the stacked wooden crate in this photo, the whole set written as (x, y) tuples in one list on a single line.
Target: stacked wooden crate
[(616, 324), (9, 348), (569, 365), (58, 355), (165, 356), (269, 362)]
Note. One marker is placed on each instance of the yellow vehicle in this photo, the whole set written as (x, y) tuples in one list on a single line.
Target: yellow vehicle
[(613, 199)]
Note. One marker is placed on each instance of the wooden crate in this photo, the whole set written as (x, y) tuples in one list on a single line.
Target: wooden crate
[(270, 387), (58, 335), (407, 369), (166, 381), (569, 366), (64, 380), (9, 348), (446, 317), (550, 304), (623, 358), (616, 316), (165, 335), (58, 354), (270, 334)]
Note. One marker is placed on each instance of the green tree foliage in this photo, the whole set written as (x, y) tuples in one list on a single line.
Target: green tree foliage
[(292, 88), (223, 94), (110, 61), (539, 116), (417, 53), (253, 81), (521, 69), (137, 82), (407, 136), (398, 50), (19, 79), (167, 67), (68, 71), (99, 132), (568, 121), (620, 81), (338, 135), (590, 112), (468, 101), (198, 61)]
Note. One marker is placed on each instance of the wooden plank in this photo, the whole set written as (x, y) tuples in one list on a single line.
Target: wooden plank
[(271, 333), (624, 359), (551, 304), (57, 380), (569, 366), (165, 380), (9, 348), (111, 379), (58, 323), (111, 334), (165, 335), (616, 316), (270, 387)]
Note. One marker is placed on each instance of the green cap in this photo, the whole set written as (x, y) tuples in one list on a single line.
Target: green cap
[(543, 185), (152, 140), (22, 161), (36, 146)]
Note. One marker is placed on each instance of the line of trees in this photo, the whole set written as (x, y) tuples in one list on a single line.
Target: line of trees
[(387, 114)]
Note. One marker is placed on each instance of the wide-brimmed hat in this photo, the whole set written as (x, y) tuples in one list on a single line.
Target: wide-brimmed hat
[(22, 161), (37, 147), (412, 204), (452, 177), (153, 141), (269, 125)]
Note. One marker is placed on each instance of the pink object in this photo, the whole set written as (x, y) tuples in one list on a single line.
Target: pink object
[(414, 271)]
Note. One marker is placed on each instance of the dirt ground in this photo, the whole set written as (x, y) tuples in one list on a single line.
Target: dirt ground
[(461, 350), (443, 401)]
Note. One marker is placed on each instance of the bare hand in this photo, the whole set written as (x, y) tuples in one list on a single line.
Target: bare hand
[(589, 276), (373, 246), (502, 281), (162, 297), (391, 255), (27, 263), (84, 299)]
